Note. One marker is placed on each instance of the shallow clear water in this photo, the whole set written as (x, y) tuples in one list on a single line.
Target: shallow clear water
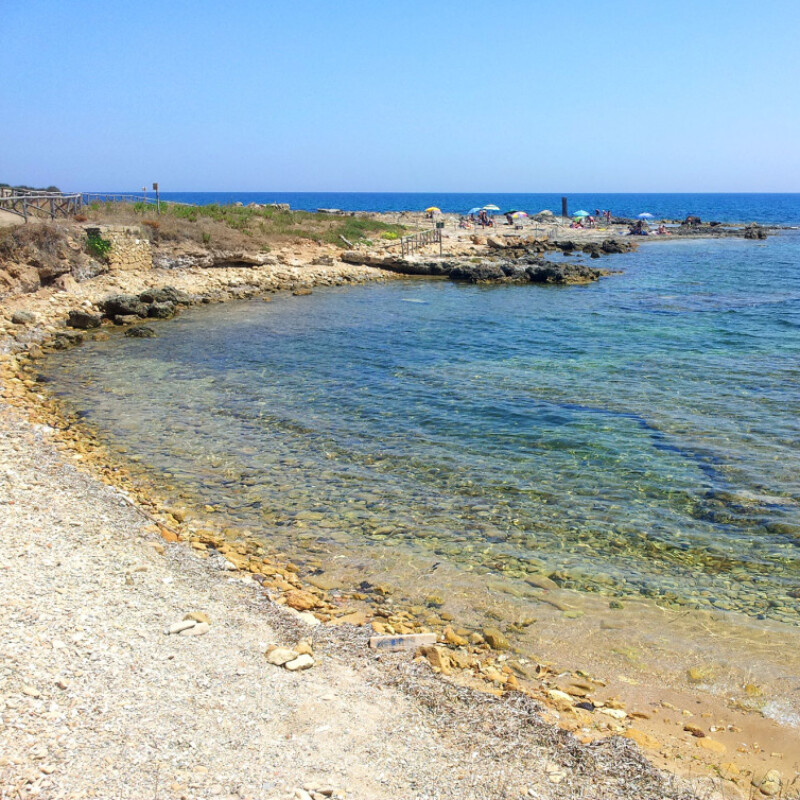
[(637, 437)]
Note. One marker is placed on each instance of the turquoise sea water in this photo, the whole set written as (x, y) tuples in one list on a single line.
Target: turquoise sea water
[(635, 438)]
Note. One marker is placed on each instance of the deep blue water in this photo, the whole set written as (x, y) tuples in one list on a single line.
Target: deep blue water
[(639, 436), (765, 208)]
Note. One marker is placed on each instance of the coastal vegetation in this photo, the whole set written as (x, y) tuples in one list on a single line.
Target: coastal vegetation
[(253, 227)]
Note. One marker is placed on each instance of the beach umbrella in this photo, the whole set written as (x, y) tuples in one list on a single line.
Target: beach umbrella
[(474, 210), (518, 214), (645, 215), (580, 213), (434, 210), (490, 208)]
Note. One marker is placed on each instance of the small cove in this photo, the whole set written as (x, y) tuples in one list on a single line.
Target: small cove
[(634, 440)]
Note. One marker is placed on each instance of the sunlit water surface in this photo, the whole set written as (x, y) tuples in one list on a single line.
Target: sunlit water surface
[(636, 439)]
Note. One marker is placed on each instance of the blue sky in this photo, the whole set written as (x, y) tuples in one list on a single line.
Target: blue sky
[(405, 96)]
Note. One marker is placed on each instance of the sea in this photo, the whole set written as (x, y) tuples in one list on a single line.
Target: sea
[(631, 447)]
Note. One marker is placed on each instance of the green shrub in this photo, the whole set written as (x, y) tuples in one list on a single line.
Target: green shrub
[(98, 246)]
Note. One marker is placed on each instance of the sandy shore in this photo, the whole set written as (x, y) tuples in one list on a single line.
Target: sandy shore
[(98, 701)]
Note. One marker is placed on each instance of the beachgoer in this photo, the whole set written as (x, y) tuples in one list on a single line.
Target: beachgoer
[(509, 219)]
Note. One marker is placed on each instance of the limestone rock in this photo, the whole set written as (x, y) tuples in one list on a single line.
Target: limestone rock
[(302, 662), (178, 627), (496, 640), (197, 616), (24, 318), (197, 630), (451, 637), (561, 700), (438, 657), (729, 771), (771, 784), (301, 600), (711, 745), (65, 283), (280, 656), (641, 738)]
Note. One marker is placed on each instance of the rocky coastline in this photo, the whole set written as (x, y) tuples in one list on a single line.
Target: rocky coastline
[(550, 711)]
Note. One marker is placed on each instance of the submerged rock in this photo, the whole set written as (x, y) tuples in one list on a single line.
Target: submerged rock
[(140, 332)]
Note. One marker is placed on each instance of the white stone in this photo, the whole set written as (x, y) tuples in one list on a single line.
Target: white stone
[(179, 627), (616, 713), (303, 661), (196, 630), (280, 656)]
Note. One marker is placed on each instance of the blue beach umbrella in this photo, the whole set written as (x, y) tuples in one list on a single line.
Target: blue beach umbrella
[(580, 213), (473, 211)]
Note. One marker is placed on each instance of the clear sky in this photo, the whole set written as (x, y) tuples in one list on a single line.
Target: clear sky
[(359, 95)]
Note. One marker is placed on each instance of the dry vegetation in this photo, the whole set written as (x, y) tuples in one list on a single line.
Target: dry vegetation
[(238, 226)]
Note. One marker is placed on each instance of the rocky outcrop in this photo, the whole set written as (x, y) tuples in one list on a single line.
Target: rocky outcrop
[(517, 272), (754, 232), (123, 305), (83, 320), (197, 257), (508, 261), (405, 266), (159, 303)]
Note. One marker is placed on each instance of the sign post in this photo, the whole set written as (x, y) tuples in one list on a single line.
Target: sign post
[(158, 200)]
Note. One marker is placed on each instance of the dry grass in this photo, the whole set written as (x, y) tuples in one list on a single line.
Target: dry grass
[(37, 244), (229, 227)]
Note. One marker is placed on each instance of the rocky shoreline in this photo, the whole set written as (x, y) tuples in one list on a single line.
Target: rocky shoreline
[(507, 260), (475, 661)]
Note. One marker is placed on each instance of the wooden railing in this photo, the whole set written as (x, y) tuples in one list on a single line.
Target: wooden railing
[(412, 243), (26, 203), (42, 204), (103, 197)]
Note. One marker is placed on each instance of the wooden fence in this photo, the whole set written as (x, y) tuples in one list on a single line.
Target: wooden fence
[(40, 205), (412, 243)]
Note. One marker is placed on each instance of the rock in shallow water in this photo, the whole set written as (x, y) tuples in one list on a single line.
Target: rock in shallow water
[(140, 332)]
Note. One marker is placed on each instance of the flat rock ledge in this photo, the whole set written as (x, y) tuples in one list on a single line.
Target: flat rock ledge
[(516, 267)]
